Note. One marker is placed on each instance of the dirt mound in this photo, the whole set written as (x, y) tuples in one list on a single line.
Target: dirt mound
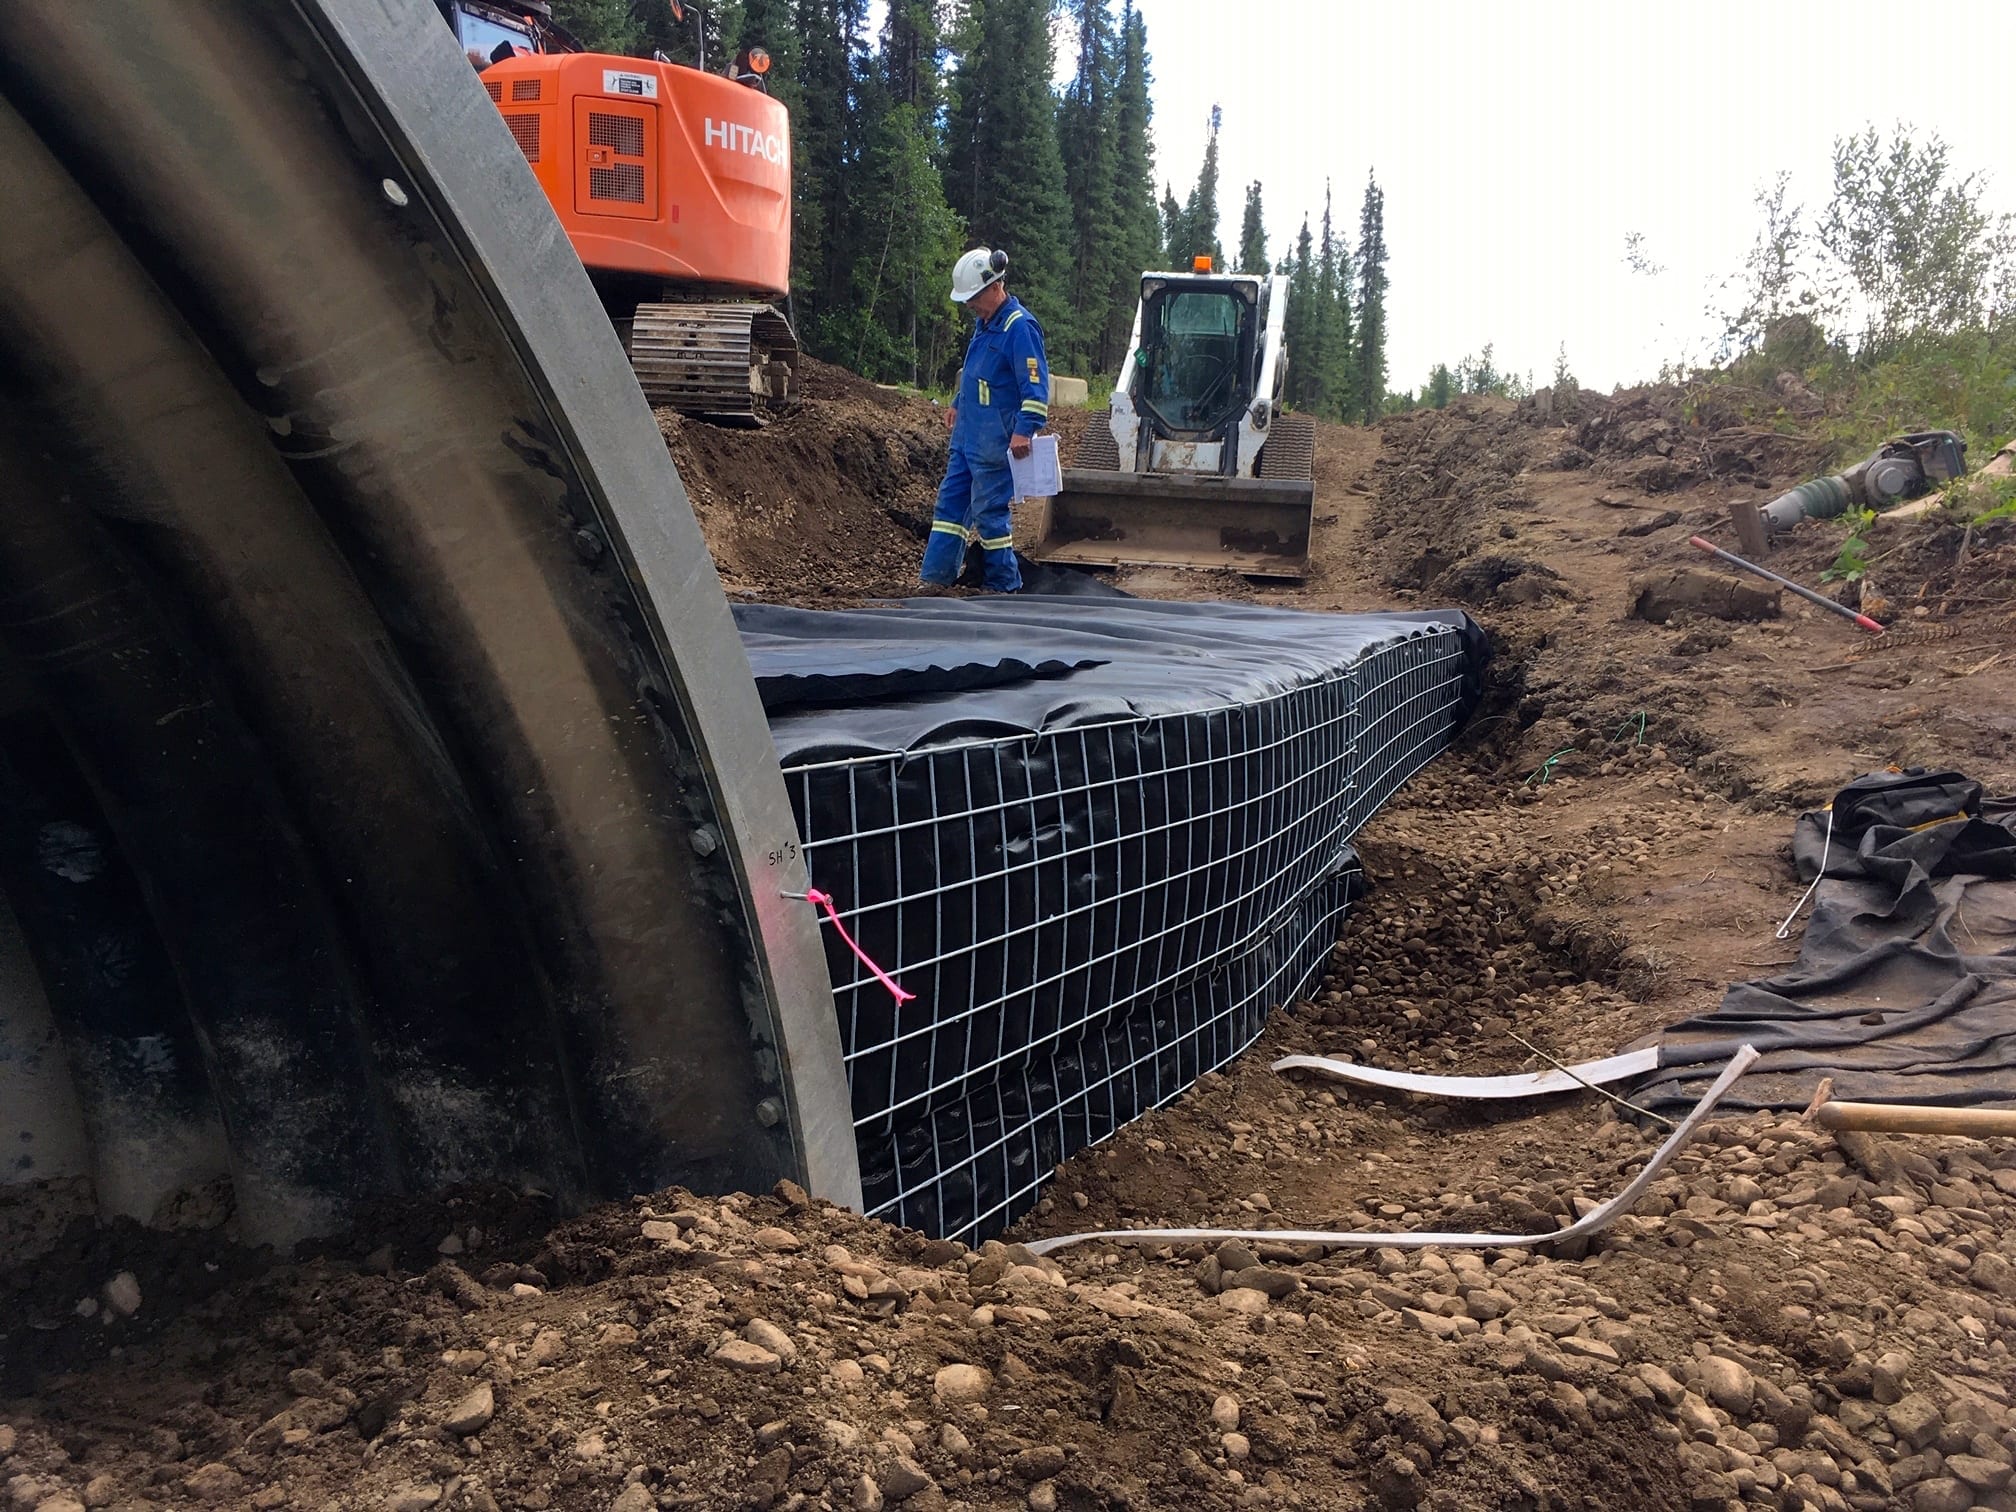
[(831, 384), (1440, 480), (1663, 438), (829, 503)]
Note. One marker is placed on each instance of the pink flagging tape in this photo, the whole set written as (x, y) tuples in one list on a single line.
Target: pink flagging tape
[(825, 901)]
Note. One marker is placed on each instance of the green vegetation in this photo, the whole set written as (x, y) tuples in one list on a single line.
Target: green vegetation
[(1253, 234), (941, 130), (1192, 231), (1978, 501), (1473, 375), (1852, 562), (1369, 388), (1895, 303)]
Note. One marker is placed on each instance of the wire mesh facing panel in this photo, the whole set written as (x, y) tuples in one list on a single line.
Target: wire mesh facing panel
[(1091, 917)]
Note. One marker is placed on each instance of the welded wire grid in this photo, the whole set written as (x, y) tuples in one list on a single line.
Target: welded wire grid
[(1035, 891), (970, 1168)]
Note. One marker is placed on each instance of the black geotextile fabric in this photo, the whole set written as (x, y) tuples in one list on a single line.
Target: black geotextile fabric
[(1074, 828), (973, 1166), (1905, 988), (855, 682)]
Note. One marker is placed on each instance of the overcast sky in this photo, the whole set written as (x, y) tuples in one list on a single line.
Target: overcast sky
[(1519, 144)]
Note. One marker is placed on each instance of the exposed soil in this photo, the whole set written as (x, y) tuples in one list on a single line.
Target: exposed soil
[(826, 505), (1788, 1320)]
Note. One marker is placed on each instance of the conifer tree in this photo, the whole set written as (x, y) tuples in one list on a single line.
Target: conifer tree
[(1253, 234), (1332, 368), (825, 146), (1196, 224), (1139, 241), (896, 322), (1299, 326), (1174, 234), (773, 26), (1004, 175), (1085, 136), (1370, 380), (600, 25)]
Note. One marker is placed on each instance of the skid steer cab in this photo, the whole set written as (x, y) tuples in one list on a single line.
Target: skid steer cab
[(1194, 465)]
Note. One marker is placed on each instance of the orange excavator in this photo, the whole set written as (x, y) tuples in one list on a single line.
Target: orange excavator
[(674, 186)]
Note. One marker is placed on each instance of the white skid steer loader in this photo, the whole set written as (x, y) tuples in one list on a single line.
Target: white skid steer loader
[(1194, 465)]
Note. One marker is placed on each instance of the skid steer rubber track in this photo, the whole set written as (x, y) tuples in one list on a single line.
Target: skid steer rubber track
[(1097, 450), (1290, 452), (385, 801), (720, 361)]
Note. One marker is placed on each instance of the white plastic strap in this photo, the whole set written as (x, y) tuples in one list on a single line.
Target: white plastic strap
[(1826, 845), (1596, 1220)]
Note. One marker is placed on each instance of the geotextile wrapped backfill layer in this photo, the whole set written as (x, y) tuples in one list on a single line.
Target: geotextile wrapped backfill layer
[(1098, 838)]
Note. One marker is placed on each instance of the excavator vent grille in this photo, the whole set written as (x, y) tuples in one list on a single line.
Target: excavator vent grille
[(524, 89), (623, 134), (496, 90), (624, 182), (525, 131)]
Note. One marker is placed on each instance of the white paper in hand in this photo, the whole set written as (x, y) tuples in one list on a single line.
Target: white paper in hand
[(1037, 476)]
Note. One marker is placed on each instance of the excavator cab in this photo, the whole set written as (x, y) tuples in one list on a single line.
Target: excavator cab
[(1194, 465), (490, 34)]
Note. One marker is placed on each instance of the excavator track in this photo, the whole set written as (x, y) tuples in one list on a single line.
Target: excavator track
[(1290, 452), (721, 361)]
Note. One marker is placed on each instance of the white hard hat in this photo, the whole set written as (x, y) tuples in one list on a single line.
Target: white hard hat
[(975, 270)]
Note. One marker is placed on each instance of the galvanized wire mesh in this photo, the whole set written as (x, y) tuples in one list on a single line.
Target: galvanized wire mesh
[(1091, 917)]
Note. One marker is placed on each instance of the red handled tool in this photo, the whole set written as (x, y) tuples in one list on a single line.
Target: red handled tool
[(1784, 582)]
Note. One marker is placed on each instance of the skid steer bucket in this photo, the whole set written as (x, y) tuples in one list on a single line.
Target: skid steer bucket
[(1258, 526)]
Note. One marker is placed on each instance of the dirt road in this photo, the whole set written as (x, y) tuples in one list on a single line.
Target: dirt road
[(1787, 1321)]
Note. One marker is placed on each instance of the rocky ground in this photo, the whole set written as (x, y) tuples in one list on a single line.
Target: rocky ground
[(1790, 1319)]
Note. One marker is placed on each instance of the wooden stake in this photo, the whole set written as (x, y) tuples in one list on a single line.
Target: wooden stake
[(1749, 522), (1906, 1118)]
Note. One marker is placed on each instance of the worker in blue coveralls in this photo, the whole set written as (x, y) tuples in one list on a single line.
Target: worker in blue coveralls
[(1004, 399)]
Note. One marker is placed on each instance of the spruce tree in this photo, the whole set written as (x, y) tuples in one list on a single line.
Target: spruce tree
[(912, 59), (1440, 387), (1299, 326), (1196, 232), (1085, 136), (1333, 367), (825, 147), (1004, 175), (677, 37), (1175, 236), (1253, 234), (602, 26), (773, 26), (896, 323), (1371, 374), (1139, 242)]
